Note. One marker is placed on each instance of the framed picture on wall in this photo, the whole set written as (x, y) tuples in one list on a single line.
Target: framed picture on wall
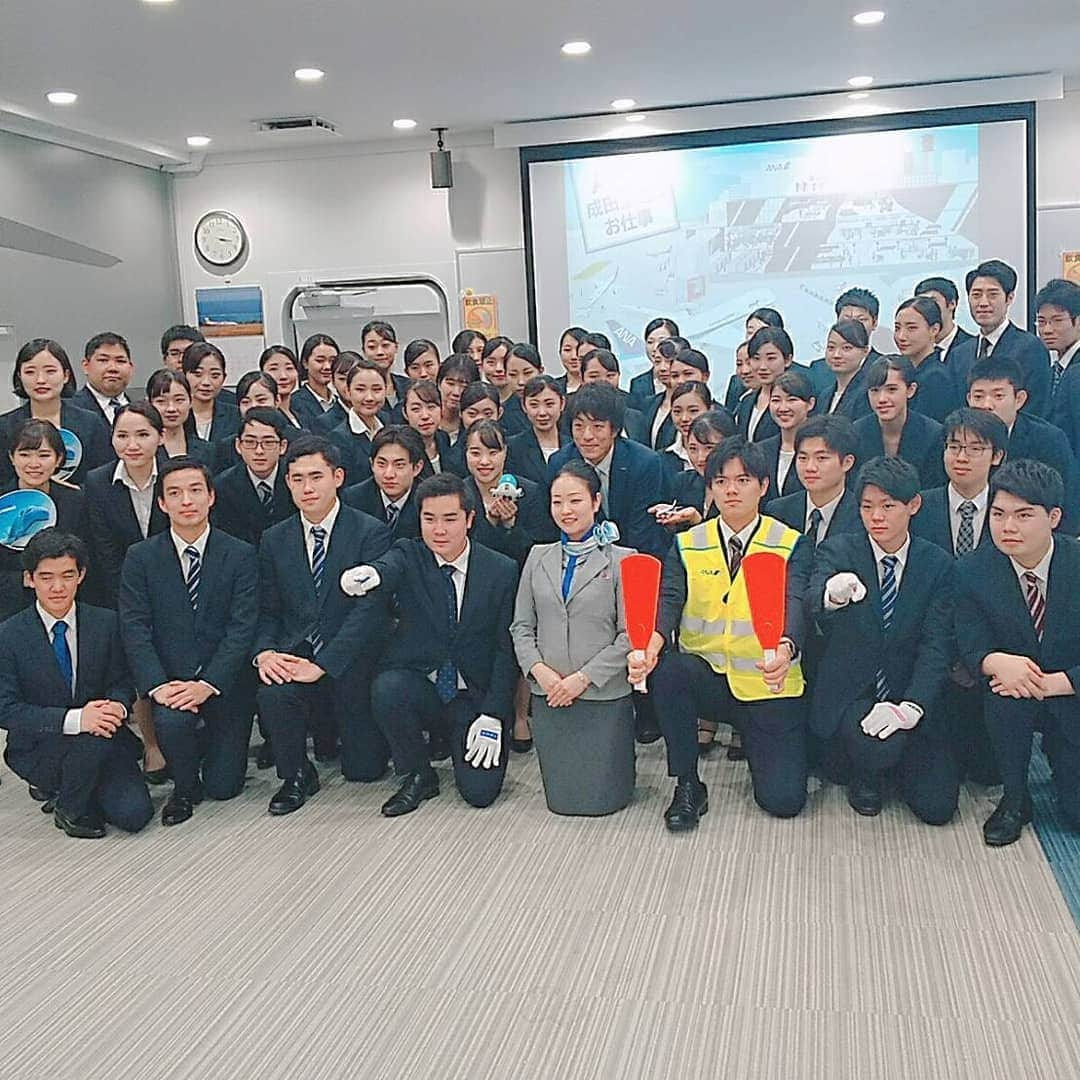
[(231, 316)]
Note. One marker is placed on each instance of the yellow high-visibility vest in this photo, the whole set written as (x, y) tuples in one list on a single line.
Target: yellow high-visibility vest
[(716, 621)]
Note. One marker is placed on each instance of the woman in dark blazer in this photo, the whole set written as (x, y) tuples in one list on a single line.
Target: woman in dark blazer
[(213, 418), (422, 411), (771, 354), (791, 403), (316, 394), (688, 401), (170, 393), (569, 634), (527, 453)]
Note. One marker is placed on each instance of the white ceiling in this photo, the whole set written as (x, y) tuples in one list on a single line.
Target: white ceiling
[(149, 75)]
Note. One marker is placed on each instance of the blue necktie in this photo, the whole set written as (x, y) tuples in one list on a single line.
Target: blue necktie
[(318, 564), (568, 576), (63, 653), (266, 495), (446, 678), (889, 590), (193, 574)]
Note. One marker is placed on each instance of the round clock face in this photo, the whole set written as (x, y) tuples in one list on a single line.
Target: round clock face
[(219, 238)]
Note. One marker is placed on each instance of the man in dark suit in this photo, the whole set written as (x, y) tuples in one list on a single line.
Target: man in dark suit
[(252, 496), (188, 607), (450, 660), (315, 647), (108, 368), (1057, 306), (397, 460), (65, 697), (631, 475), (1018, 605), (884, 601), (991, 288), (947, 297)]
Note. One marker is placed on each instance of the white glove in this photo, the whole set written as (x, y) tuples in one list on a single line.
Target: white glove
[(483, 744), (360, 580), (842, 589), (886, 719)]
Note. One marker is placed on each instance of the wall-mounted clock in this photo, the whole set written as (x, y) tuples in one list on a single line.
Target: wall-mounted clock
[(220, 238)]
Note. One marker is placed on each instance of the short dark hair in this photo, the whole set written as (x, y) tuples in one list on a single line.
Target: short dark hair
[(597, 401), (529, 353), (250, 378), (940, 285), (981, 422), (539, 383), (144, 409), (836, 432), (272, 418), (32, 434), (694, 358), (852, 331), (179, 464), (926, 306), (796, 384), (694, 386), (476, 392), (400, 435), (583, 471), (878, 372), (464, 338), (489, 432), (52, 543), (896, 477), (598, 340), (363, 363), (163, 380), (997, 369), (195, 354), (771, 335), (767, 315), (29, 351), (416, 348), (380, 327), (604, 357), (1032, 481), (458, 364), (576, 332), (309, 445), (311, 344), (344, 362), (493, 345), (179, 332), (1000, 271), (670, 325), (670, 347), (737, 448), (860, 298), (444, 483), (278, 350), (425, 390), (714, 425), (1058, 292), (107, 337)]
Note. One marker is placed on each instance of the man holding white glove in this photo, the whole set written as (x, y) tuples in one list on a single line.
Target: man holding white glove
[(449, 663), (884, 602)]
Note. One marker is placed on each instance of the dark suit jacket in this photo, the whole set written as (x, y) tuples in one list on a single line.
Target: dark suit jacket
[(197, 449), (1065, 406), (792, 483), (164, 639), (637, 482), (90, 429), (366, 497), (932, 521), (854, 403), (224, 424), (514, 419), (1021, 346), (524, 458), (937, 393), (666, 435), (355, 452), (791, 510), (961, 336), (114, 527), (1040, 440), (533, 524), (992, 616), (642, 390), (306, 408), (766, 427), (922, 444), (84, 399), (915, 653), (635, 427), (480, 646), (822, 378), (33, 694), (239, 511), (289, 608)]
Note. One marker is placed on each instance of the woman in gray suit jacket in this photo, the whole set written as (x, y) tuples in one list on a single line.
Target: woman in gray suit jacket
[(569, 633)]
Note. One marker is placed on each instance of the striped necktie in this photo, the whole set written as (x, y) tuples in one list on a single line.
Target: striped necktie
[(734, 556), (318, 564), (1057, 370), (1035, 602), (889, 590), (194, 571), (266, 495), (965, 535)]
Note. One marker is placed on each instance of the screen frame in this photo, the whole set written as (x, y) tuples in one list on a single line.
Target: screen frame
[(806, 129)]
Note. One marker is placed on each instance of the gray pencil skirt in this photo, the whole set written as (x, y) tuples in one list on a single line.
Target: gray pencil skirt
[(586, 754)]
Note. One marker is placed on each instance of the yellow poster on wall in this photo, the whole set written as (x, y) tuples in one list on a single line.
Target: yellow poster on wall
[(1070, 266), (480, 311)]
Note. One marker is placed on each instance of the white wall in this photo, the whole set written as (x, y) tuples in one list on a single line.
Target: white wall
[(1058, 181)]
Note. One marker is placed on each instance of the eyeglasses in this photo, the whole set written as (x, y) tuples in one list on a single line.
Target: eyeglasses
[(248, 442), (175, 354), (972, 450)]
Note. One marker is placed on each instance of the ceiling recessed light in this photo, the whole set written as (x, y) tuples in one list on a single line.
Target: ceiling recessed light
[(308, 74), (859, 96), (621, 104), (157, 1), (634, 118), (576, 48), (62, 97), (404, 124), (859, 81), (196, 142), (868, 18)]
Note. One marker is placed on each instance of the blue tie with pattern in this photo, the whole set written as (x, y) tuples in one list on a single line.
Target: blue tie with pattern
[(446, 678), (63, 653), (318, 564), (889, 590), (193, 574)]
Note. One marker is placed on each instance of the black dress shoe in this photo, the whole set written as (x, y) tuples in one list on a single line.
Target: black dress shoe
[(417, 787), (864, 797), (735, 749), (521, 746), (83, 828), (688, 805), (39, 794), (157, 777), (646, 733), (438, 748), (178, 808), (1006, 823), (294, 792), (264, 756)]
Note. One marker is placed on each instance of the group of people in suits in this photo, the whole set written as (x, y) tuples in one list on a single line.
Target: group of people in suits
[(409, 568)]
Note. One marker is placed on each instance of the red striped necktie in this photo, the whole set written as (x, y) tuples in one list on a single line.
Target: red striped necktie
[(1035, 602)]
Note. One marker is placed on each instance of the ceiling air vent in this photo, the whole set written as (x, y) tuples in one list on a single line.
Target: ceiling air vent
[(296, 125)]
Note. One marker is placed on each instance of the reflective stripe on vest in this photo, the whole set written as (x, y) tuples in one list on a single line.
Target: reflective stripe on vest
[(717, 624)]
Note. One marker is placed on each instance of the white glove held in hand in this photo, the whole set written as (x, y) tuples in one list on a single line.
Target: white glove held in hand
[(842, 589), (886, 719), (483, 744), (360, 580)]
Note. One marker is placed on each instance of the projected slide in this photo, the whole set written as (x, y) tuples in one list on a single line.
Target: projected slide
[(708, 234)]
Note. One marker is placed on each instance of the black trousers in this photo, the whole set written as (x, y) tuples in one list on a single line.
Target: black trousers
[(216, 738), (288, 710), (962, 709), (774, 732), (89, 774), (405, 704), (922, 760), (1011, 723)]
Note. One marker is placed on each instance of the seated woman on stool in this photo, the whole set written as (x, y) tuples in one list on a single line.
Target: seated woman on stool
[(569, 633)]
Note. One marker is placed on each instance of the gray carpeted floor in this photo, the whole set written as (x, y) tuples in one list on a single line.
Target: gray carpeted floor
[(510, 943)]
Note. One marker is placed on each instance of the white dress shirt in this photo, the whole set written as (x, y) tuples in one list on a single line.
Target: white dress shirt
[(979, 518), (397, 504), (993, 337), (73, 717), (327, 523), (755, 418), (271, 480), (105, 403), (828, 511), (662, 413), (783, 467), (744, 535), (1067, 357), (901, 557), (1041, 571), (945, 344), (358, 427), (142, 498)]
